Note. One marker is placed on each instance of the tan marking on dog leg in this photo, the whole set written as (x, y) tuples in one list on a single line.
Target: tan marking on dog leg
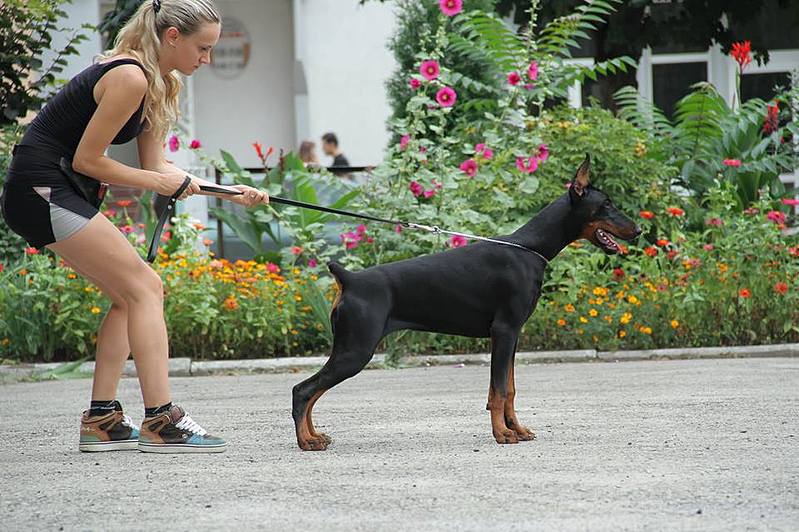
[(523, 433), (496, 405)]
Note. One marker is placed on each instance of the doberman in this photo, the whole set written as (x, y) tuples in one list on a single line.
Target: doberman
[(480, 290)]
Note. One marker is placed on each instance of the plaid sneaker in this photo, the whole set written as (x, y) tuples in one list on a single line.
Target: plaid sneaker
[(176, 432), (110, 432)]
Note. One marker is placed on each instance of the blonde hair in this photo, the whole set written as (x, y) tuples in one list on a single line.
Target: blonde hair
[(141, 38)]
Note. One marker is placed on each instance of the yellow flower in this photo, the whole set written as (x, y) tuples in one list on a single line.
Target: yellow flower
[(600, 301), (298, 298), (600, 291), (593, 313), (645, 330), (625, 318), (675, 324), (608, 319), (561, 322), (231, 303), (622, 334), (632, 299), (583, 320), (71, 276), (569, 308), (722, 267), (95, 310)]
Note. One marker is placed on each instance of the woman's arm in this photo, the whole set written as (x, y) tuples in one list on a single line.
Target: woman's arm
[(118, 95)]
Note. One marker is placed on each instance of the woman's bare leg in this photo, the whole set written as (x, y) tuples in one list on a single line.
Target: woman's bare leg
[(113, 347), (102, 253)]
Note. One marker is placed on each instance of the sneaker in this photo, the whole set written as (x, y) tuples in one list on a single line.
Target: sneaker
[(110, 432), (175, 432)]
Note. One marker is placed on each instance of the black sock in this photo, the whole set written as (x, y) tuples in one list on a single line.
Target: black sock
[(101, 408), (157, 410)]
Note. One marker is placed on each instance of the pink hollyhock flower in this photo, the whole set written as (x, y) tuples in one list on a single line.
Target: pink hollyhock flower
[(532, 71), (457, 241), (529, 86), (404, 140), (174, 143), (271, 267), (195, 144), (370, 240), (776, 216), (430, 69), (436, 184), (398, 228), (488, 153), (716, 222), (446, 97), (429, 193), (529, 167), (451, 7), (478, 148), (312, 263), (296, 250), (731, 162), (514, 78), (469, 167), (414, 83), (791, 202), (416, 189), (708, 247), (361, 229), (543, 153), (1, 268), (167, 236), (126, 229), (350, 244)]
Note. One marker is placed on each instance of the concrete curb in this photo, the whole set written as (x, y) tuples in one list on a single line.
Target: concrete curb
[(185, 367)]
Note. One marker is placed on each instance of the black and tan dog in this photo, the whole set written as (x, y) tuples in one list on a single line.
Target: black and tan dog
[(480, 290)]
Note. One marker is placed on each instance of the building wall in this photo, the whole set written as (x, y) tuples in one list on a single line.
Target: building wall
[(257, 105), (342, 49)]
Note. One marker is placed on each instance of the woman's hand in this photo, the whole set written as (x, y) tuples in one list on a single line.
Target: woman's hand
[(251, 197), (171, 180)]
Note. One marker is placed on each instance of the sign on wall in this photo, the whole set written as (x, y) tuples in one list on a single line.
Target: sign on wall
[(232, 53)]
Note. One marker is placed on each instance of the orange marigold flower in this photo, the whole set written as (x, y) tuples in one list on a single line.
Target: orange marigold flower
[(675, 324), (561, 322), (744, 292), (231, 303)]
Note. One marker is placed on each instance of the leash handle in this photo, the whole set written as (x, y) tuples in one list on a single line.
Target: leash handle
[(164, 216)]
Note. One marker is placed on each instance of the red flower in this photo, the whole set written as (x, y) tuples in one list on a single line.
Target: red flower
[(715, 222), (708, 247), (776, 216), (772, 120), (794, 251), (662, 242), (514, 78), (296, 250), (31, 251), (651, 251), (675, 211), (744, 293), (1, 268), (124, 203), (671, 254), (618, 274), (195, 144), (258, 150), (731, 162), (781, 288), (646, 215), (741, 52)]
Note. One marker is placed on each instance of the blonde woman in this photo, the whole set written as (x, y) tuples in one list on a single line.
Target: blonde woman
[(131, 91)]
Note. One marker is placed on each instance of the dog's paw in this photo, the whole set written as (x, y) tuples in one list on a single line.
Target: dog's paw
[(506, 437), (524, 434), (313, 444), (324, 437)]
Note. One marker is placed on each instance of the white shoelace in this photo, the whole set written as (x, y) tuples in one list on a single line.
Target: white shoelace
[(188, 424), (128, 422)]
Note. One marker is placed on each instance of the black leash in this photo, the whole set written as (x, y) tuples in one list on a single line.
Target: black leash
[(170, 205)]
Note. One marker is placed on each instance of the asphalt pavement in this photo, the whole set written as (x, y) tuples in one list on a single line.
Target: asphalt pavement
[(648, 445)]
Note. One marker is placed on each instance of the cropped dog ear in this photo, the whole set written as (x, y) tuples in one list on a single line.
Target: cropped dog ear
[(581, 178)]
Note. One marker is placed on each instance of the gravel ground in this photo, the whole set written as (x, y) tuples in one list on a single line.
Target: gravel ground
[(690, 445)]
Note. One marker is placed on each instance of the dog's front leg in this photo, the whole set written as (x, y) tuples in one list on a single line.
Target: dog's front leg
[(503, 344), (522, 432)]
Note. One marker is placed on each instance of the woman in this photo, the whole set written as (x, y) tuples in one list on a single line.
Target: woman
[(308, 154), (132, 91)]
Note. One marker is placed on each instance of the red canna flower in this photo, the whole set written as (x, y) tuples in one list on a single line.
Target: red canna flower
[(772, 120), (651, 251), (741, 52), (744, 293), (781, 288), (675, 211), (646, 215)]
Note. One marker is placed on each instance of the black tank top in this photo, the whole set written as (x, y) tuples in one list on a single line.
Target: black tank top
[(61, 123)]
